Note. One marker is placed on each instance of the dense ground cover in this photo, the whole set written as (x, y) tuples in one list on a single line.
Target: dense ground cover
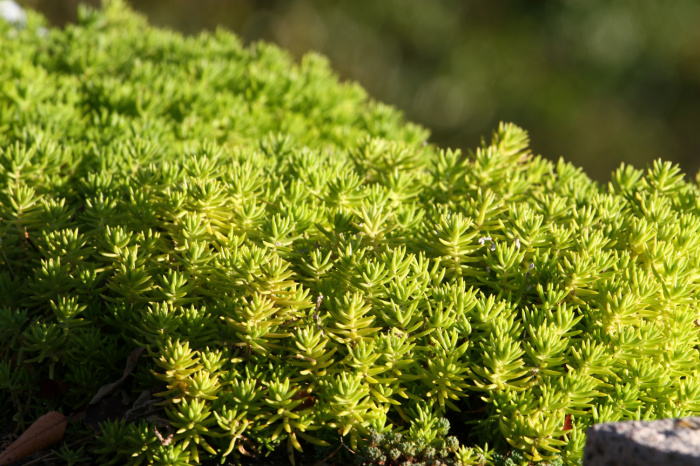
[(288, 265)]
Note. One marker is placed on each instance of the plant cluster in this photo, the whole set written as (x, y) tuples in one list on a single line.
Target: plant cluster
[(425, 444), (303, 269)]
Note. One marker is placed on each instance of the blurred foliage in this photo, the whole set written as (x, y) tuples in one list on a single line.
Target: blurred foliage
[(597, 82)]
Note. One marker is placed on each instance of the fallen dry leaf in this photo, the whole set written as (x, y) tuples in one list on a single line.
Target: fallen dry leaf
[(44, 432), (143, 404), (107, 389)]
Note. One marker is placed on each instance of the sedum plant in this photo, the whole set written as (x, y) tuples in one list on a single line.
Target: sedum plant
[(306, 273)]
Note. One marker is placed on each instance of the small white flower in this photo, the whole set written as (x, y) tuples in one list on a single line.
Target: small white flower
[(517, 243), (483, 239), (532, 266), (11, 12)]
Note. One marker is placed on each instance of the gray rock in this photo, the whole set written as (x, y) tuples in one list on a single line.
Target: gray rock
[(635, 443)]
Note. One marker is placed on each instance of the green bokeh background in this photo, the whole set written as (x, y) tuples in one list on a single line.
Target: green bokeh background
[(598, 82)]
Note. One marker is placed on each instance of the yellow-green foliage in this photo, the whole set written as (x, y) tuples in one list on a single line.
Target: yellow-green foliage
[(302, 267)]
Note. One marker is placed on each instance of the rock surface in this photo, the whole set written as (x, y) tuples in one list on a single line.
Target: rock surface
[(635, 443)]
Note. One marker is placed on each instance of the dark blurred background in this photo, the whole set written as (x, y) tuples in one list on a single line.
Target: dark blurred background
[(598, 82)]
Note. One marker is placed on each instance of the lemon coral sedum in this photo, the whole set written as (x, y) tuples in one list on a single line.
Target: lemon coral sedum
[(301, 266)]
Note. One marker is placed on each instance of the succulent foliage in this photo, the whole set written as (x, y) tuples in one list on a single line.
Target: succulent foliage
[(304, 269)]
